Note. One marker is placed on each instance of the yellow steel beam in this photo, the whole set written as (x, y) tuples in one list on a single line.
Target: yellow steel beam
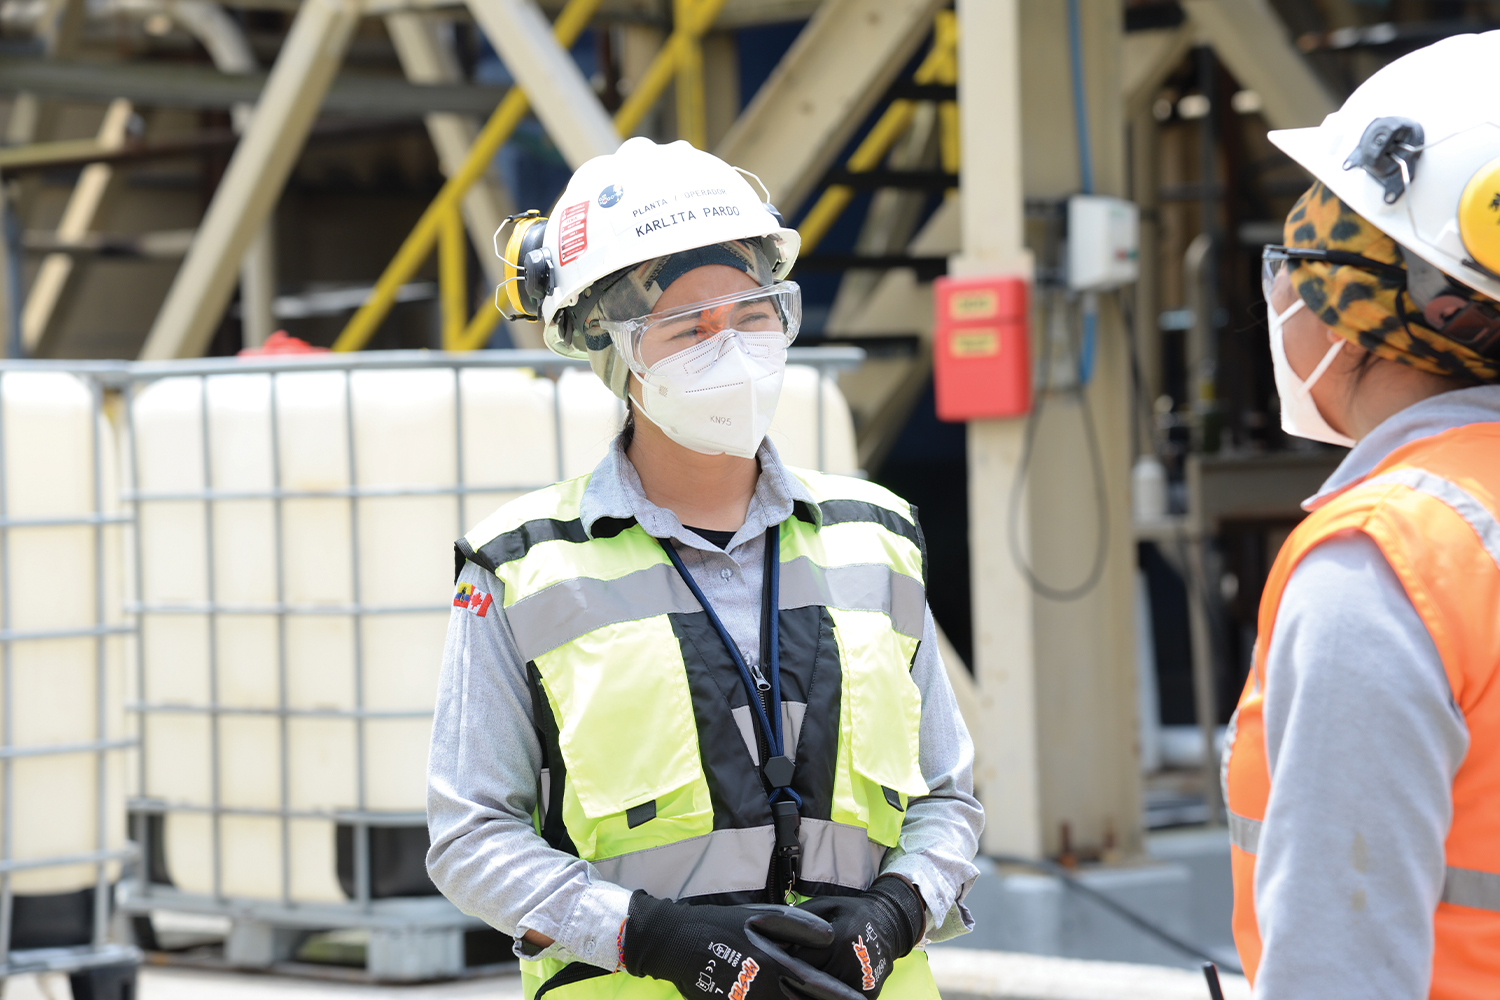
[(692, 114), (693, 19), (940, 66), (362, 325), (681, 56), (39, 153), (453, 284)]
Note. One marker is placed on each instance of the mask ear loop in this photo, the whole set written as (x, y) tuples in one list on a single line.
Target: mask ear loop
[(1317, 373)]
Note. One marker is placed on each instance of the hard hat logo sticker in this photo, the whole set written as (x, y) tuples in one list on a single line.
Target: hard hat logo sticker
[(573, 239), (610, 196)]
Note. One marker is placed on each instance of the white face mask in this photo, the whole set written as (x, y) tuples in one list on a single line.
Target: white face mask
[(718, 398), (1300, 415)]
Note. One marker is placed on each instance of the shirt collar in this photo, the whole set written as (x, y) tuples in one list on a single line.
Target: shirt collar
[(614, 499), (1443, 412)]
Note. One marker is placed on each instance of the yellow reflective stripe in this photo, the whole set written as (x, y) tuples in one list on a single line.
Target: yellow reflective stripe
[(850, 543), (599, 685), (1244, 833), (824, 487), (1472, 888), (551, 563), (560, 500)]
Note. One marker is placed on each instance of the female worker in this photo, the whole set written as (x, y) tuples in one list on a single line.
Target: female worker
[(1363, 769), (703, 682)]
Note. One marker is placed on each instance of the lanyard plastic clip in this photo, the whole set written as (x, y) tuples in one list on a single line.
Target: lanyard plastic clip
[(787, 822)]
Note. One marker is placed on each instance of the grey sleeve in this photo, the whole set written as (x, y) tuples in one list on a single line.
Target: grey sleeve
[(1363, 740), (941, 833), (482, 773)]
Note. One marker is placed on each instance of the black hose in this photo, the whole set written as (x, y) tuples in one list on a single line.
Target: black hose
[(1067, 878)]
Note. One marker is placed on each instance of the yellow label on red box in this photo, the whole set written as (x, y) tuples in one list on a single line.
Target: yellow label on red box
[(975, 343), (978, 303)]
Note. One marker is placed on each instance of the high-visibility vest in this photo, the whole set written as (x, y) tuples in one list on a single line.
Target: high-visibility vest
[(1432, 507), (641, 712)]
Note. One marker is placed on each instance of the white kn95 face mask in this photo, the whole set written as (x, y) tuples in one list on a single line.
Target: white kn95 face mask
[(718, 398), (710, 373), (1300, 415)]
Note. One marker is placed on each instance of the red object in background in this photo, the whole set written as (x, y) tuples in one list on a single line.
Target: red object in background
[(981, 356), (282, 342)]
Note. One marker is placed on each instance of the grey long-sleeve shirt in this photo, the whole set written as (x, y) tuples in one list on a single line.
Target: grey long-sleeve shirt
[(485, 757), (1363, 740)]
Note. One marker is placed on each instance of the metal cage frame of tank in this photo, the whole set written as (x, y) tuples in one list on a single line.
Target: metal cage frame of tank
[(411, 938), (100, 952)]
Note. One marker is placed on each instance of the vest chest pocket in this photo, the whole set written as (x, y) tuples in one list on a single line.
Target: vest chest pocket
[(628, 737), (879, 726)]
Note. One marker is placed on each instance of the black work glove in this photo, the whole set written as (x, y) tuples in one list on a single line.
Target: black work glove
[(871, 932), (708, 950)]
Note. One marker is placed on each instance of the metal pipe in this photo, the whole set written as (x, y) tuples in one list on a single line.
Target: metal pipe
[(174, 708), (143, 876), (101, 684), (7, 695), (361, 834), (278, 540), (212, 660)]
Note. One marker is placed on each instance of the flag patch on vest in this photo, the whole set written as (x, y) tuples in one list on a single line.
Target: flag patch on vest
[(477, 601)]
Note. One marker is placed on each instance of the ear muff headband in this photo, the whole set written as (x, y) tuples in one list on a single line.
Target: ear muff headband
[(527, 265)]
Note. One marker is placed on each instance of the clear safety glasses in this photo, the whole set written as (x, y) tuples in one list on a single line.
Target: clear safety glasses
[(765, 319), (1442, 303)]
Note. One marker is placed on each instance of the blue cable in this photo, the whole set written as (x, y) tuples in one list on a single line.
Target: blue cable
[(772, 733), (1080, 102), (1087, 351)]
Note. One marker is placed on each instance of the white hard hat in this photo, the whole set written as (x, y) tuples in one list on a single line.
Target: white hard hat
[(1416, 151), (641, 202)]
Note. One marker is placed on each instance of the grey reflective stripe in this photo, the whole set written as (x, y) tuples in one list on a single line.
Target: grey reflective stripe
[(1461, 500), (564, 611), (791, 728), (839, 854), (543, 621), (739, 861), (1476, 889), (1244, 833), (722, 861), (860, 587)]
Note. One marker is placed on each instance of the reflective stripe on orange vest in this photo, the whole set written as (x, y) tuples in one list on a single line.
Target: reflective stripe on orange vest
[(1433, 508)]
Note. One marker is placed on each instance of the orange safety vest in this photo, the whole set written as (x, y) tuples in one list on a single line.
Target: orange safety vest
[(1433, 507)]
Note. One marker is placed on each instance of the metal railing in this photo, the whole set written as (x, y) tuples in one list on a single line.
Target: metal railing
[(99, 951), (680, 59), (141, 895)]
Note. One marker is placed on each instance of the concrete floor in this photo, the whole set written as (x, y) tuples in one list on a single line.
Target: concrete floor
[(193, 984)]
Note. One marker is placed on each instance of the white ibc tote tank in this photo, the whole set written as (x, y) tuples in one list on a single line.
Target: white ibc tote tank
[(63, 653), (798, 424), (346, 673)]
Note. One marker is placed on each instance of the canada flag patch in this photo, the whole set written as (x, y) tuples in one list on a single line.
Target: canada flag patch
[(477, 601)]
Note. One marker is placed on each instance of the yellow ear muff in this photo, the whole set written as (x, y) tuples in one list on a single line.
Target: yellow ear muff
[(1479, 216), (523, 292)]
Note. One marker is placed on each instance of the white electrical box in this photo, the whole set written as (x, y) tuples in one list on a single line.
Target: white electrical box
[(1104, 242)]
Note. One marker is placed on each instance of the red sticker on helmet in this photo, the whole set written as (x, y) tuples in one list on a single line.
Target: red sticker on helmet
[(574, 237)]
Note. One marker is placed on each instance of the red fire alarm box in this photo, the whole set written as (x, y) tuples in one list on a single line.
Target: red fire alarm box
[(981, 357)]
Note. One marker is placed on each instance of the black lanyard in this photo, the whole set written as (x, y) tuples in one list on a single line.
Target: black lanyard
[(778, 767)]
